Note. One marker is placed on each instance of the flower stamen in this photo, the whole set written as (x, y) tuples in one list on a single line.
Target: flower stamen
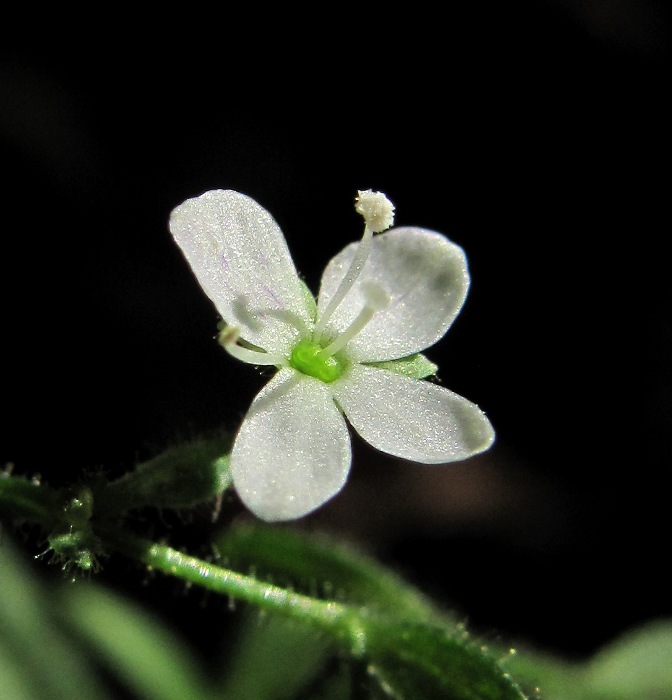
[(351, 275), (376, 299), (228, 339), (378, 213)]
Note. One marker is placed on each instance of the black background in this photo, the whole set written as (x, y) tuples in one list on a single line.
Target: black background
[(534, 134)]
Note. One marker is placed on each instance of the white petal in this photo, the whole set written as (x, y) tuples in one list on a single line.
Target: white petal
[(410, 418), (427, 279), (292, 452), (240, 258)]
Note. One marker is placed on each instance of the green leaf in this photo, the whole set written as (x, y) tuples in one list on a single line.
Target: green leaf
[(274, 659), (635, 666), (38, 659), (22, 499), (555, 678), (424, 662), (135, 646), (56, 636), (415, 366)]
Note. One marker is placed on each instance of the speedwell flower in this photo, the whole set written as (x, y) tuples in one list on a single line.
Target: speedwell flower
[(355, 352)]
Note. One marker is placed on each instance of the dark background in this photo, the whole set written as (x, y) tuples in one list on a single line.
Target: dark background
[(534, 134)]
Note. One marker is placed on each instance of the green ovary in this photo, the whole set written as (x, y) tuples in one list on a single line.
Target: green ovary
[(305, 358)]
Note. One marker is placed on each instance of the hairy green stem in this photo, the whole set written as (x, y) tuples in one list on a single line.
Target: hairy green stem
[(83, 539), (340, 621)]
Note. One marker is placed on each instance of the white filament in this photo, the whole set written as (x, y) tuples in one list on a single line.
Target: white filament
[(356, 266), (228, 339), (377, 299)]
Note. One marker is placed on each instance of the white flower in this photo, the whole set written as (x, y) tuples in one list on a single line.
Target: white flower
[(382, 301)]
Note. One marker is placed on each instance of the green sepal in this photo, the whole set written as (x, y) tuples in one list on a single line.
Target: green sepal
[(180, 477), (64, 514), (416, 366), (72, 542), (78, 548)]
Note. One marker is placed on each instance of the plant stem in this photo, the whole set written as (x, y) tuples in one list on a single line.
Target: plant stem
[(23, 499), (337, 619)]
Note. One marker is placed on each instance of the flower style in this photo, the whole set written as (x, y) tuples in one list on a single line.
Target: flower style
[(354, 352)]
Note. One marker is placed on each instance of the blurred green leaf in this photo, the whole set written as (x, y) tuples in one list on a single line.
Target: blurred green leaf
[(136, 647), (636, 666), (544, 675), (274, 659), (56, 636), (22, 499), (15, 676), (39, 660)]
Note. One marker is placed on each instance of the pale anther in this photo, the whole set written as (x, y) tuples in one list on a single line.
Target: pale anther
[(376, 208), (229, 335)]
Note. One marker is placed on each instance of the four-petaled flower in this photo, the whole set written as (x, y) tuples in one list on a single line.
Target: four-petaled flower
[(381, 302)]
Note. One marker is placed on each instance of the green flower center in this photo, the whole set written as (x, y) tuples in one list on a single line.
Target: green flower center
[(307, 357)]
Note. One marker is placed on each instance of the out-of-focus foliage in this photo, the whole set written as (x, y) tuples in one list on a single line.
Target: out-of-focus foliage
[(61, 640)]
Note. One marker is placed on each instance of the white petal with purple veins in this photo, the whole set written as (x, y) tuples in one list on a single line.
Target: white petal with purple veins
[(241, 260)]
